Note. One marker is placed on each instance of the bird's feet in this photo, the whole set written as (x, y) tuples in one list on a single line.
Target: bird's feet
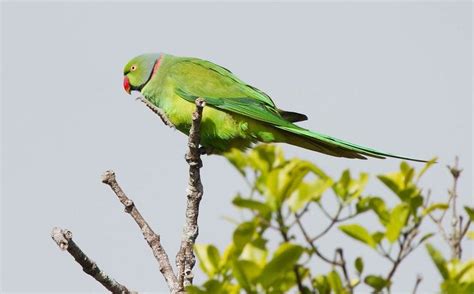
[(203, 150)]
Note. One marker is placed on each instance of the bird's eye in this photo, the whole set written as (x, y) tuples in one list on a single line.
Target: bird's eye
[(133, 67)]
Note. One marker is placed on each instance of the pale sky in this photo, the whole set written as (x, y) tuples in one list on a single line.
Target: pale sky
[(393, 76)]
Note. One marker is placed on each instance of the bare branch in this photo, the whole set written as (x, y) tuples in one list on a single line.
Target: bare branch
[(458, 230), (334, 220), (455, 238), (158, 111), (185, 258), (63, 239), (151, 237), (405, 244), (311, 243)]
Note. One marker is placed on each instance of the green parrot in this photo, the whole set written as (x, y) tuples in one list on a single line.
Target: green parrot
[(236, 115)]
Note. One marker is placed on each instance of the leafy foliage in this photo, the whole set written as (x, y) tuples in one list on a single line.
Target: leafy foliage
[(458, 277), (282, 191)]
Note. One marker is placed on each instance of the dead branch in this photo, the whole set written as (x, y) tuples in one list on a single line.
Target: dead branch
[(63, 239), (185, 258), (150, 236)]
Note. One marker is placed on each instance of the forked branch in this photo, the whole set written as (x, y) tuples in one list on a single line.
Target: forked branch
[(185, 258)]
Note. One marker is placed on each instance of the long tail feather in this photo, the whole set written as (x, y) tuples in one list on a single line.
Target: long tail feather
[(332, 146)]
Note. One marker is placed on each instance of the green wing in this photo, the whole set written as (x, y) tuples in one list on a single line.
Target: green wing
[(193, 71), (259, 111), (222, 90)]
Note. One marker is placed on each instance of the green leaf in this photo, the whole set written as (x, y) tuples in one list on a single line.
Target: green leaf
[(356, 187), (243, 234), (401, 182), (454, 287), (426, 237), (426, 167), (245, 272), (407, 171), (466, 270), (227, 256), (378, 206), (321, 283), (209, 258), (435, 206), (378, 236), (294, 177), (363, 204), (213, 287), (359, 233), (359, 265), (261, 159), (194, 290), (335, 282), (470, 235), (341, 187), (284, 180), (251, 204), (409, 193), (398, 219), (394, 181), (415, 202), (284, 258), (376, 282), (308, 192), (238, 159), (438, 260), (470, 212), (214, 256), (255, 252)]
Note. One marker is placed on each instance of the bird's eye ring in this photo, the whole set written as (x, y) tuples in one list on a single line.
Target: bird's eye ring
[(133, 67)]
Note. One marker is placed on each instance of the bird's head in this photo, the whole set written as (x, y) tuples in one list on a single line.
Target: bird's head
[(138, 71)]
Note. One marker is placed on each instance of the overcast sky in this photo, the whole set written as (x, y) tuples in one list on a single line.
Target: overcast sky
[(393, 76)]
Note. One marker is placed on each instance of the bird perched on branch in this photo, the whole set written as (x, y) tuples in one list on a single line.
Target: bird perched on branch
[(236, 115)]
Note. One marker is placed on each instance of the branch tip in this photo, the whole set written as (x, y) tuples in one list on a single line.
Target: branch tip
[(108, 177), (63, 238)]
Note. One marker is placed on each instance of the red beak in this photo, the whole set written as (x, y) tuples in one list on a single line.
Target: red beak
[(126, 85)]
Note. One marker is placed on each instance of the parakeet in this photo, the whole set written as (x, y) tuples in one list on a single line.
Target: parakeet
[(236, 115)]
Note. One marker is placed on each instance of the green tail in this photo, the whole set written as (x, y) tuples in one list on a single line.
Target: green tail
[(328, 145)]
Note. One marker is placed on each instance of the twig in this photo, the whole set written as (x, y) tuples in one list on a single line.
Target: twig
[(384, 252), (455, 237), (334, 220), (344, 268), (158, 111), (151, 237), (185, 258), (404, 251), (63, 239), (286, 238), (419, 278), (311, 244)]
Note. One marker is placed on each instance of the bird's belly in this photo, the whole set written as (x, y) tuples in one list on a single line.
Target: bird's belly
[(220, 131)]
